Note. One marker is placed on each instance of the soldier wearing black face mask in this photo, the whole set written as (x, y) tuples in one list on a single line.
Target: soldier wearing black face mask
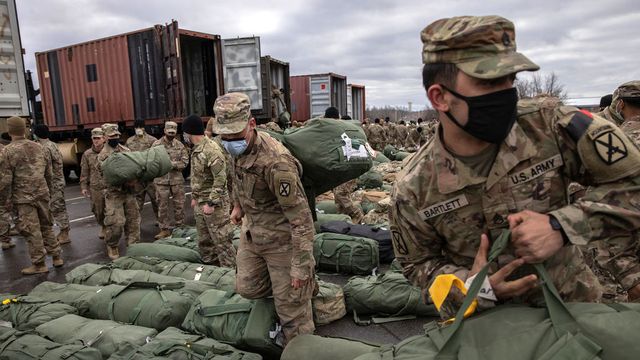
[(497, 164)]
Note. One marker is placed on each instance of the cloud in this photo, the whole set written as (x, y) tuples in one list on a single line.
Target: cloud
[(592, 46)]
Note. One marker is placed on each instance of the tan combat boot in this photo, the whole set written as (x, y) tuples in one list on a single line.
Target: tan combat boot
[(39, 268), (101, 236), (113, 252), (57, 261), (163, 234), (63, 236), (6, 245)]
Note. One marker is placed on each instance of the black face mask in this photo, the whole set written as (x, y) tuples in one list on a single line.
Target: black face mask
[(114, 142), (491, 116)]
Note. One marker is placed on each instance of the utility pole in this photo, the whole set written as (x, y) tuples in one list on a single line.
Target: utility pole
[(410, 103)]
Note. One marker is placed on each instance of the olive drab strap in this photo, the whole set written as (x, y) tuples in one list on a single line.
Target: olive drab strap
[(409, 309)]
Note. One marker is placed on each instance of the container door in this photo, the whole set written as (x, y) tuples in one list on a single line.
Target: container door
[(13, 90), (320, 92), (241, 62), (172, 70), (349, 101)]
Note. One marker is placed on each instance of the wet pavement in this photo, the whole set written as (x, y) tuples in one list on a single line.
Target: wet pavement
[(86, 247)]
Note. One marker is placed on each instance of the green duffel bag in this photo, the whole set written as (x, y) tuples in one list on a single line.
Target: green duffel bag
[(166, 252), (105, 335), (176, 344), (390, 152), (389, 296), (145, 165), (17, 345), (370, 180), (345, 254), (78, 296), (381, 158), (221, 278), (185, 232), (27, 312), (325, 218), (577, 331), (187, 243), (331, 152), (395, 266), (152, 264), (141, 303), (328, 305), (327, 207), (232, 319), (100, 275), (314, 347)]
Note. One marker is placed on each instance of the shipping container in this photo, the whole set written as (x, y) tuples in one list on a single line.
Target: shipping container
[(156, 74), (311, 95), (13, 89), (356, 94), (275, 76)]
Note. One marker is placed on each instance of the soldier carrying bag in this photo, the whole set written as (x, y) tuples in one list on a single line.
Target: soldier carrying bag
[(145, 166), (579, 331)]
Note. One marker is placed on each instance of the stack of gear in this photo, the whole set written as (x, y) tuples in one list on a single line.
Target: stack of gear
[(27, 312), (17, 345), (378, 233), (345, 254), (394, 154), (163, 251)]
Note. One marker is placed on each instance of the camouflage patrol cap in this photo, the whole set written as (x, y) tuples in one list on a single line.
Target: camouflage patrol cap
[(233, 111), (110, 129), (97, 133), (170, 128), (483, 47), (629, 90)]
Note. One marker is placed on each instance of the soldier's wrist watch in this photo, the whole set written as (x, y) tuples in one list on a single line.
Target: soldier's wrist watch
[(555, 225)]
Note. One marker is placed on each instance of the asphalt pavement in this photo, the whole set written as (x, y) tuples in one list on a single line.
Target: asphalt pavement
[(86, 247)]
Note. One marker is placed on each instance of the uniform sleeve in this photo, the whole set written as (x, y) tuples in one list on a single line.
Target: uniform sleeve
[(284, 181), (7, 177), (48, 171), (218, 168), (597, 154), (184, 158), (84, 173), (417, 246)]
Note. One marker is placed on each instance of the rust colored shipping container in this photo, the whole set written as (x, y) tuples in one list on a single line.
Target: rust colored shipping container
[(312, 94), (300, 105)]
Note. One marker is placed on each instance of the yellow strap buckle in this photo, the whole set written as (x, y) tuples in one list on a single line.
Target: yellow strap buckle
[(8, 301), (441, 288)]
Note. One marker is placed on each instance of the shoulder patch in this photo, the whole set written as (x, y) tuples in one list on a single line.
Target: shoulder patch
[(578, 125), (285, 184), (610, 148)]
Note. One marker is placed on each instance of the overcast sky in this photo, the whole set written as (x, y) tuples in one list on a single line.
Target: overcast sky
[(593, 46)]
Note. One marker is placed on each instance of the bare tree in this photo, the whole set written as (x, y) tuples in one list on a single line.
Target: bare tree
[(397, 113), (538, 84)]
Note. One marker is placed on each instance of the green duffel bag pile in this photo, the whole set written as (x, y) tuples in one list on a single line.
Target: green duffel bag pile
[(314, 347), (380, 158), (187, 243), (232, 319), (389, 296), (221, 278), (345, 254), (104, 335), (176, 344), (327, 207), (139, 263), (370, 180), (162, 251), (78, 296), (141, 303), (325, 218), (328, 305), (17, 345), (145, 165), (394, 154), (100, 275), (576, 331), (185, 232), (27, 312)]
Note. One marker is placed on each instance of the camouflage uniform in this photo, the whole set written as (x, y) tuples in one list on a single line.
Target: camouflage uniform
[(377, 137), (92, 181), (389, 133), (414, 139), (342, 197), (441, 207), (276, 239), (631, 126), (5, 217), (141, 143), (610, 113), (209, 185), (121, 208), (58, 206), (402, 133), (172, 184), (26, 180)]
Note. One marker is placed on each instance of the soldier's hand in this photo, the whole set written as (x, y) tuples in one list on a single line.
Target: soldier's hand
[(481, 256), (207, 210), (236, 215), (86, 193), (297, 283), (532, 236), (193, 203)]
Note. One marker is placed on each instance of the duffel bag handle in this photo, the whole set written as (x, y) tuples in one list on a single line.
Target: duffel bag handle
[(561, 319)]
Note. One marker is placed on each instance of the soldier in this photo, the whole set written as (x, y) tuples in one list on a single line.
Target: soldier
[(611, 112), (5, 217), (402, 133), (91, 181), (377, 138), (139, 142), (26, 179), (414, 139), (389, 132), (605, 101), (209, 197), (171, 186), (629, 109), (120, 204), (57, 206), (276, 240), (495, 165)]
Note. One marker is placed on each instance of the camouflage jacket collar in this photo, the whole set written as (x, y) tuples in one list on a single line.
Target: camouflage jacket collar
[(200, 146), (454, 175)]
